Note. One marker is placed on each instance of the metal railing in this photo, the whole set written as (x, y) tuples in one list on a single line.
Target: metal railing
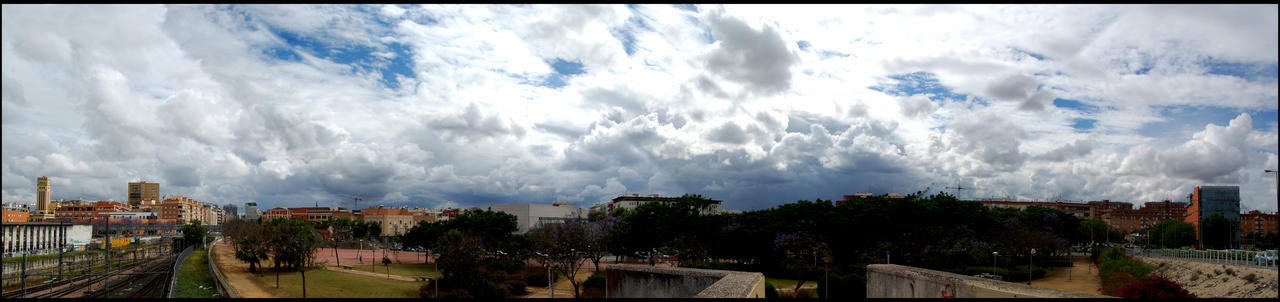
[(177, 265), (1226, 257), (224, 288)]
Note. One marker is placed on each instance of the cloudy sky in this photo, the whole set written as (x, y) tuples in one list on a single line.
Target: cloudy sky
[(755, 105)]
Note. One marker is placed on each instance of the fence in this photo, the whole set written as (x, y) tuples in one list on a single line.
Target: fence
[(182, 258), (1226, 257), (224, 288)]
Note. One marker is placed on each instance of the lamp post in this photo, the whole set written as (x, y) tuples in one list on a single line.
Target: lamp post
[(1277, 185), (826, 289), (993, 262), (436, 265), (1031, 266)]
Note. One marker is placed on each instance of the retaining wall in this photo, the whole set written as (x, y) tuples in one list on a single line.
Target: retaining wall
[(896, 281), (640, 281)]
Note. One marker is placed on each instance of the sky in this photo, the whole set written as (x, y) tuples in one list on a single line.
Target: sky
[(755, 105)]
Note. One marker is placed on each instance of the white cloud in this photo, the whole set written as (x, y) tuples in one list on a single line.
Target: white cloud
[(755, 105)]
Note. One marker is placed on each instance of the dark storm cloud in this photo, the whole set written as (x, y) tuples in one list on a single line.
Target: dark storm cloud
[(758, 59), (728, 133), (1073, 150), (473, 124)]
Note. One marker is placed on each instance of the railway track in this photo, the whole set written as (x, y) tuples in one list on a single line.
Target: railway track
[(147, 282), (67, 287)]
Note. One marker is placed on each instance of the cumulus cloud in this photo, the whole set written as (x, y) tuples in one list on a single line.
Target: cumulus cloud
[(461, 105)]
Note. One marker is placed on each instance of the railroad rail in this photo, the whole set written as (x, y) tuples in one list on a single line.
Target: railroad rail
[(85, 283)]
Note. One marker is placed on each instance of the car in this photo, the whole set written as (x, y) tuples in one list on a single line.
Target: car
[(1265, 258)]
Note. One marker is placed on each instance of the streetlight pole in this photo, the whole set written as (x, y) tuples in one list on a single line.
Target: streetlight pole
[(993, 263), (1031, 266)]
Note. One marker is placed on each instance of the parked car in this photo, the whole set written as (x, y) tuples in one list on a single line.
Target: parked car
[(1265, 258)]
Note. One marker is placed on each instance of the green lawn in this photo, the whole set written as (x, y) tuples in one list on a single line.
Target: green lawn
[(403, 269), (194, 279), (783, 283), (331, 284)]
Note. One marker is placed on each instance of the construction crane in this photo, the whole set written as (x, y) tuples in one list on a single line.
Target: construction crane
[(958, 188), (355, 200)]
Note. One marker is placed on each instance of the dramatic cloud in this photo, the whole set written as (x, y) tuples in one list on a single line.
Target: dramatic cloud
[(756, 105)]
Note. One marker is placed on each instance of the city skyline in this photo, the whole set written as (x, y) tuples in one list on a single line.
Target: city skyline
[(462, 106)]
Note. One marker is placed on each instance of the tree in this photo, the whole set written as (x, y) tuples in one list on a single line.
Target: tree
[(248, 240), (194, 232), (597, 234), (562, 243), (1173, 233), (293, 245)]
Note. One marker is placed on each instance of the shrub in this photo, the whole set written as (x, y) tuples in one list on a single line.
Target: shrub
[(1251, 278), (516, 287), (1112, 283), (1231, 271), (1155, 287), (596, 281), (1217, 272), (534, 276), (770, 292)]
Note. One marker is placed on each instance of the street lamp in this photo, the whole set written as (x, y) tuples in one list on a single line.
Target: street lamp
[(826, 289), (993, 263), (1031, 265)]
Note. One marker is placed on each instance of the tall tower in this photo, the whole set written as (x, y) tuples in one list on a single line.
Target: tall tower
[(44, 210), (143, 191)]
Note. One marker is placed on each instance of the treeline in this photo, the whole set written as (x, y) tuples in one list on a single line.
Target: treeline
[(798, 240)]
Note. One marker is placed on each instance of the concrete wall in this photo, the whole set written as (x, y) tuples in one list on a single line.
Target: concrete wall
[(640, 281), (896, 281)]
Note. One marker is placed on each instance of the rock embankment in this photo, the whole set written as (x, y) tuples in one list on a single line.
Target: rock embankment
[(1217, 280)]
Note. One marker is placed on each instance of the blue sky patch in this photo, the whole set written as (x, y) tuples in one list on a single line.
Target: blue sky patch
[(917, 83), (803, 45), (282, 53), (1183, 120), (563, 71), (687, 7), (1250, 72), (361, 58), (1083, 124), (1075, 105), (1032, 54)]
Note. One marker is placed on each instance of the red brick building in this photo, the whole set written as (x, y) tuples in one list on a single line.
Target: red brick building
[(1256, 222), (16, 216)]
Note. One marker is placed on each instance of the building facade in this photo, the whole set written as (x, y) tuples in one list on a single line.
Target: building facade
[(1258, 223), (251, 211), (529, 215), (35, 238), (1078, 209), (44, 190), (394, 221), (143, 191), (11, 216), (231, 211), (634, 201), (277, 212), (181, 209), (1209, 200)]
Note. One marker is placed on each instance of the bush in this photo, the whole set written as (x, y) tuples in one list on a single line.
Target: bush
[(846, 286), (1155, 287), (535, 276), (1251, 278), (1019, 273), (1231, 271), (1112, 283), (770, 292), (596, 281), (516, 287), (503, 265)]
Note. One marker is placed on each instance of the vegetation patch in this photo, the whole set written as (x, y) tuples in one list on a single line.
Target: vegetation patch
[(194, 279)]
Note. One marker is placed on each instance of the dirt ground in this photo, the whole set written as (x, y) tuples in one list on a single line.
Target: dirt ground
[(356, 256), (1081, 278), (1212, 280), (237, 272)]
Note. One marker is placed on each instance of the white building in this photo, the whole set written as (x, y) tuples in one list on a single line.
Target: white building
[(529, 215), (35, 238), (251, 211)]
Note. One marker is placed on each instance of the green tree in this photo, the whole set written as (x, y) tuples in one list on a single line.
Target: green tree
[(293, 244), (194, 232), (248, 240), (1173, 233), (459, 262)]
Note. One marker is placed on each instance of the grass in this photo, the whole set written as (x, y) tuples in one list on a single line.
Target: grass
[(331, 284), (780, 283), (402, 269), (194, 279)]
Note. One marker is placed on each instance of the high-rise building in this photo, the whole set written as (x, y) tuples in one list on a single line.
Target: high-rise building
[(230, 209), (143, 191), (1209, 200), (44, 210), (251, 211)]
